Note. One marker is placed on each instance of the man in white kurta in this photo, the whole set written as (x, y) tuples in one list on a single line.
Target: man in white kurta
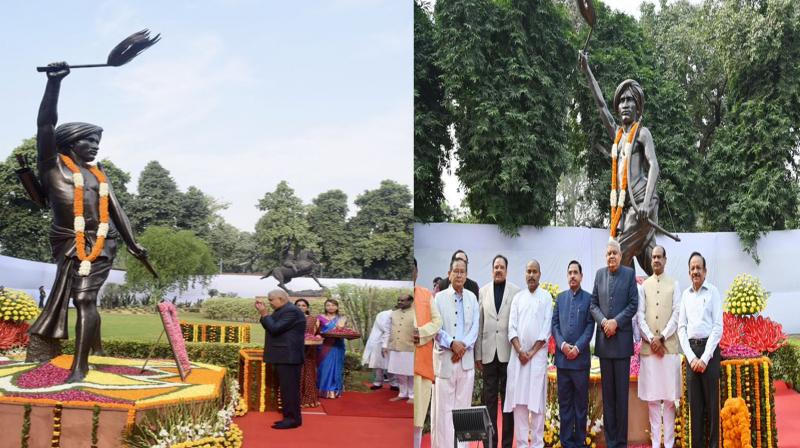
[(373, 356), (529, 327), (453, 357), (660, 368)]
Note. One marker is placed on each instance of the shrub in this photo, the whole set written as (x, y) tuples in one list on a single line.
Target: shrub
[(361, 303), (786, 365), (225, 355), (230, 309)]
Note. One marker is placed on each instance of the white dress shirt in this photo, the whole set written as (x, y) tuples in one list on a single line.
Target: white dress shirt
[(700, 318)]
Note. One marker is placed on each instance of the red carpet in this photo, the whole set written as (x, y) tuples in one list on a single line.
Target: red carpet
[(787, 408), (369, 404), (325, 431), (355, 420)]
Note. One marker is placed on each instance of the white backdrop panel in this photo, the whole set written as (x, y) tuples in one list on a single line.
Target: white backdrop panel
[(554, 247)]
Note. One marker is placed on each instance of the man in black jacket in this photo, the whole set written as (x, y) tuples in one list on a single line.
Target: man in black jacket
[(284, 347)]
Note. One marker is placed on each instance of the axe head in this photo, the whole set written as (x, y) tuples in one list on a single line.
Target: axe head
[(586, 7)]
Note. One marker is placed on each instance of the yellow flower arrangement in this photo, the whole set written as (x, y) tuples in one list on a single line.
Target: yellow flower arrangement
[(745, 296), (735, 420), (17, 306), (552, 288)]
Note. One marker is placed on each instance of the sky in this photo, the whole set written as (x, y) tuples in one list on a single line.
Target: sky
[(237, 96)]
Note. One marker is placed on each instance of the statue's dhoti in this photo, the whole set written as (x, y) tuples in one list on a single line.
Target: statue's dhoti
[(52, 323), (637, 238)]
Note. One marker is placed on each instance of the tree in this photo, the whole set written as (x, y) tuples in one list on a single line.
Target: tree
[(327, 219), (284, 220), (432, 142), (383, 231), (119, 182), (759, 43), (24, 227), (180, 258), (196, 211), (157, 202), (503, 68), (236, 250)]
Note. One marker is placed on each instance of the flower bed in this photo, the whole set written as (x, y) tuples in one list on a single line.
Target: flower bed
[(140, 404), (238, 334)]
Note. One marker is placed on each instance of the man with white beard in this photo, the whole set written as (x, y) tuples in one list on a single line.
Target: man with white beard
[(529, 328)]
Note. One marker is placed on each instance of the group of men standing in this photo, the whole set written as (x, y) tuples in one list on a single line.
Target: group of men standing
[(503, 330)]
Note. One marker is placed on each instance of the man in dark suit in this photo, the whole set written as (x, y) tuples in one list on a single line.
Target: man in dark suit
[(572, 329), (614, 303), (285, 347)]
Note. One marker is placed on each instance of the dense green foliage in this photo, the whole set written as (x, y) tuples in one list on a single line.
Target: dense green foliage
[(24, 227), (180, 258), (786, 365), (722, 102), (432, 143), (284, 220)]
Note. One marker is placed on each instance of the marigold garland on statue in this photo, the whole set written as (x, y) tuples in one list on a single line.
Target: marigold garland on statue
[(617, 198), (80, 222)]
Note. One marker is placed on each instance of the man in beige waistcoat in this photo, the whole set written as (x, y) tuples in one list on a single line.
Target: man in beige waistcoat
[(660, 371), (400, 348)]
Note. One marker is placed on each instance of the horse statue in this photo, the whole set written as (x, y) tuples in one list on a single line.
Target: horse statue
[(304, 264)]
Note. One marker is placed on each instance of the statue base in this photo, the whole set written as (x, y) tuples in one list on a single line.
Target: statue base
[(116, 392), (42, 348)]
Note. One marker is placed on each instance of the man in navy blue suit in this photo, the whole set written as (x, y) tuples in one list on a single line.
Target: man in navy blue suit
[(614, 304), (572, 329), (284, 347)]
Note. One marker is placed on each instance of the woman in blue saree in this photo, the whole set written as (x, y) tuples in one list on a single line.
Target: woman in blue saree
[(330, 355)]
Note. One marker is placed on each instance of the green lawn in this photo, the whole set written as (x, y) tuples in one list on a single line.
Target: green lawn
[(794, 339)]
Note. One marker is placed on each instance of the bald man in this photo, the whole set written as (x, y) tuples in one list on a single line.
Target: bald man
[(284, 347)]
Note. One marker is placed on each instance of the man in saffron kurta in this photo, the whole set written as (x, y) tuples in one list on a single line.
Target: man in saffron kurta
[(453, 361), (660, 371), (427, 323), (526, 384)]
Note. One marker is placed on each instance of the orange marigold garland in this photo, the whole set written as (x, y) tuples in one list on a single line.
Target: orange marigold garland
[(618, 190), (80, 222), (735, 419), (756, 368), (766, 403)]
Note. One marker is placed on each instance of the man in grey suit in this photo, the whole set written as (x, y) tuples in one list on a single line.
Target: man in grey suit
[(614, 304), (492, 349)]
